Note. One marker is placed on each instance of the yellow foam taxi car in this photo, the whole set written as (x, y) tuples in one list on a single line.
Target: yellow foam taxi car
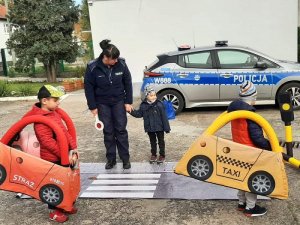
[(224, 162)]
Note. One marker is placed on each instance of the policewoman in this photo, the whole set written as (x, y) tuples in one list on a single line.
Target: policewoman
[(108, 90)]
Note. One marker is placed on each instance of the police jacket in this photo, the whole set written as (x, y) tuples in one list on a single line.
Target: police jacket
[(104, 85)]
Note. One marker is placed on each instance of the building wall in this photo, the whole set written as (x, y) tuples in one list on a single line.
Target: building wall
[(298, 13), (3, 38), (141, 29)]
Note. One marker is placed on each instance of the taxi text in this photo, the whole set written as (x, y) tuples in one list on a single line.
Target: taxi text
[(232, 172)]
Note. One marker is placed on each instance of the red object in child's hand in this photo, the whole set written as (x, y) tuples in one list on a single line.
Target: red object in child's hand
[(98, 124)]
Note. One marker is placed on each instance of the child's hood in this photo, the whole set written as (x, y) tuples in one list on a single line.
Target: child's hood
[(37, 110)]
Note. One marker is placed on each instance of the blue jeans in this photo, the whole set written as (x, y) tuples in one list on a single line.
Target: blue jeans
[(114, 119)]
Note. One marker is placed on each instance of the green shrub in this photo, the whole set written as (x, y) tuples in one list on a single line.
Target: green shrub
[(4, 88), (68, 68), (80, 71), (39, 69), (26, 90), (11, 72)]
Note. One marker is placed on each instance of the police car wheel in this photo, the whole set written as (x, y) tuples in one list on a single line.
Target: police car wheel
[(294, 89), (51, 194), (261, 183), (200, 167), (2, 174), (173, 96)]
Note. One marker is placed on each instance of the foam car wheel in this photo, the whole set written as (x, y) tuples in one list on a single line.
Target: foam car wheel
[(51, 194), (2, 174), (293, 89), (174, 97), (261, 183), (200, 167)]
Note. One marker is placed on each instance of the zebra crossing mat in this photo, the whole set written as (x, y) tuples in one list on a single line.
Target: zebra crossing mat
[(146, 181)]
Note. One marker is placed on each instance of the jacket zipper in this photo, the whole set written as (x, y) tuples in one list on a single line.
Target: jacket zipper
[(109, 76)]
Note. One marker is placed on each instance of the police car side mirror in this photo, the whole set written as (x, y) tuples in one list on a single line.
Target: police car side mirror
[(261, 65)]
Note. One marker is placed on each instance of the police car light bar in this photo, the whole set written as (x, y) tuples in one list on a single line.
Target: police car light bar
[(152, 74), (221, 43), (184, 47)]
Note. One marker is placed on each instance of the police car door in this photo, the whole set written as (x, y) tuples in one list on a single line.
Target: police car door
[(197, 77), (237, 66)]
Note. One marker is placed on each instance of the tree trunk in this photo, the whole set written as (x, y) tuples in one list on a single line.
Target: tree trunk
[(48, 74), (51, 71)]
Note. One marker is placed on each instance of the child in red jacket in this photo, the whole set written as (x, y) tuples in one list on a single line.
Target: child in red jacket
[(48, 102), (248, 133)]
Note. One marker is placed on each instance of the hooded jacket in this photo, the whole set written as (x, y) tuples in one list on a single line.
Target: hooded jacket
[(49, 149), (154, 116), (105, 85), (246, 131)]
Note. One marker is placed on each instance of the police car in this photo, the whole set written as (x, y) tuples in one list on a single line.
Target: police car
[(210, 76)]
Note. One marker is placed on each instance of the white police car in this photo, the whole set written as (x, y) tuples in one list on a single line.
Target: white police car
[(210, 76)]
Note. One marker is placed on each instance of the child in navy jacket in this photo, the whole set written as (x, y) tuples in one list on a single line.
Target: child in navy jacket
[(155, 123)]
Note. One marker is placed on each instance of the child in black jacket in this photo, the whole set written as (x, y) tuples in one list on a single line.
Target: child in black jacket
[(155, 123)]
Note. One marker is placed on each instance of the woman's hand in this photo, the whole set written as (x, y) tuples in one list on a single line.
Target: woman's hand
[(128, 108), (94, 112)]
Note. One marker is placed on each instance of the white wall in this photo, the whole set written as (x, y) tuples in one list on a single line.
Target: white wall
[(141, 29), (3, 38), (298, 13)]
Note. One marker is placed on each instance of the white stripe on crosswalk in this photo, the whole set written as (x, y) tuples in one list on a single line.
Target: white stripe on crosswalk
[(124, 175), (117, 195), (121, 188), (123, 185), (99, 182)]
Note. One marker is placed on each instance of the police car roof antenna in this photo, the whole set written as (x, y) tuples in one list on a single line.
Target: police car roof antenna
[(175, 43), (194, 39)]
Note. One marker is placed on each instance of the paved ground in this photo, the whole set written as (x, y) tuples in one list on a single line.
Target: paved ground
[(185, 129)]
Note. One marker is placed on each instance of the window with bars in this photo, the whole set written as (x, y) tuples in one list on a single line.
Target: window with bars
[(6, 28)]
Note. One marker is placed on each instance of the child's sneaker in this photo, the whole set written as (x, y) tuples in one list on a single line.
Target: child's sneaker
[(58, 216), (256, 211), (161, 159), (241, 206), (153, 158)]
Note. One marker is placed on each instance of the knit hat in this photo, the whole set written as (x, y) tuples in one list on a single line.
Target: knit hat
[(148, 90), (248, 91), (47, 91)]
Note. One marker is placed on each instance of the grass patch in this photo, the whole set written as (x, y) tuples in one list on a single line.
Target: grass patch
[(4, 89), (15, 89)]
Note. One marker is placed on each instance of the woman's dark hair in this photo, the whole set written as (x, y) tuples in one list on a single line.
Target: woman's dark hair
[(109, 50)]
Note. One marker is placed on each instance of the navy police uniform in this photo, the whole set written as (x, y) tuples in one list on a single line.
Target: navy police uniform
[(108, 89)]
